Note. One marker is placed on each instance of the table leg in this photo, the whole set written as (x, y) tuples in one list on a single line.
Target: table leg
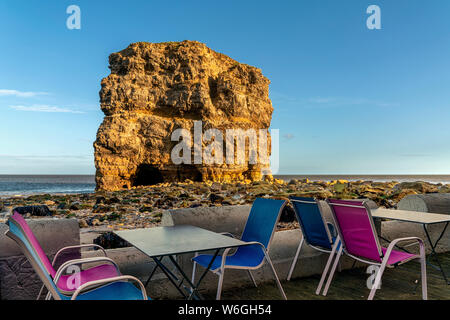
[(170, 276), (194, 294), (433, 251), (208, 268), (152, 273)]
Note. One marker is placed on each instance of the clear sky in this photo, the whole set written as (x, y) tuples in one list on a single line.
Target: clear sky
[(348, 100)]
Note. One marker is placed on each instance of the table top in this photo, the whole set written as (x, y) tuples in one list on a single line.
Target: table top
[(410, 216), (164, 241)]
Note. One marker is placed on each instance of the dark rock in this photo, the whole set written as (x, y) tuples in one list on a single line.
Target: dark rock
[(62, 206), (38, 211), (113, 216), (214, 198), (195, 205), (95, 220), (146, 209), (100, 200), (288, 214), (85, 196), (110, 240), (112, 200), (101, 209), (183, 196), (75, 206)]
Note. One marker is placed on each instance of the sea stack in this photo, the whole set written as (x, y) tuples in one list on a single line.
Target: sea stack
[(155, 89)]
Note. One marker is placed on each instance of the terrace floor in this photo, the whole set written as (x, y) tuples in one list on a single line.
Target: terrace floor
[(397, 284)]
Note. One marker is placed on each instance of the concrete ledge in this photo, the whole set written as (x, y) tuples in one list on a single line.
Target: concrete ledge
[(430, 202), (18, 280), (218, 219)]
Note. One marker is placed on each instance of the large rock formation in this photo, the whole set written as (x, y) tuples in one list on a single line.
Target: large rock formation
[(156, 88)]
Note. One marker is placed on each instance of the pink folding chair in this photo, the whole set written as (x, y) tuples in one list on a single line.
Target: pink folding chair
[(64, 283), (114, 288), (359, 239)]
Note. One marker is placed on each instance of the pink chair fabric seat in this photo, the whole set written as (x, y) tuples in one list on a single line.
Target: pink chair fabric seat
[(399, 256), (95, 273)]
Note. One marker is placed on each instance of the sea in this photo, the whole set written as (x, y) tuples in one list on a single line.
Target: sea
[(22, 185)]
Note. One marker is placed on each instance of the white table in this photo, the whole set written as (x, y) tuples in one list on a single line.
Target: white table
[(160, 242), (423, 218)]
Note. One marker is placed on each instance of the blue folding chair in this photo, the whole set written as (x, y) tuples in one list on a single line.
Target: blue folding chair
[(115, 288), (258, 234), (316, 233)]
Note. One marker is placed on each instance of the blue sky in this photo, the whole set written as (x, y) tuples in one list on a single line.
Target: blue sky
[(348, 100)]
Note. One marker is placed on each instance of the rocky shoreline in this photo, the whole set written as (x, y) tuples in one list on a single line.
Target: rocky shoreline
[(142, 207)]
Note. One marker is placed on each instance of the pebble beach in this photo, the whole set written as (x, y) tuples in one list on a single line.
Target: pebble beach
[(142, 207)]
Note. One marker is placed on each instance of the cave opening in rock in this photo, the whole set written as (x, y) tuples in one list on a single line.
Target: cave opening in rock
[(146, 175)]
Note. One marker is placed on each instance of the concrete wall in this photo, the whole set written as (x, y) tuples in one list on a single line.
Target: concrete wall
[(18, 281)]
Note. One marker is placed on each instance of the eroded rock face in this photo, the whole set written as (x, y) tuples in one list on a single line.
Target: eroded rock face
[(156, 88)]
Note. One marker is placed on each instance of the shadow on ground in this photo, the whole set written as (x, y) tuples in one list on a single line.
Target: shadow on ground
[(398, 284)]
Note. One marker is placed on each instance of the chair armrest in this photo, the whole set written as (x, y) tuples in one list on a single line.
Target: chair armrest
[(69, 263), (96, 283), (393, 243), (226, 251), (91, 245), (255, 242)]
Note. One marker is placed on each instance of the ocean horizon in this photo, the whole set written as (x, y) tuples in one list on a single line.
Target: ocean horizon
[(22, 185)]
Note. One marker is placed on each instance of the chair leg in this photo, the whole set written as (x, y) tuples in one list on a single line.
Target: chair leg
[(219, 285), (275, 275), (333, 270), (194, 268), (48, 296), (423, 269), (380, 272), (327, 266), (40, 292), (294, 262), (252, 278)]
